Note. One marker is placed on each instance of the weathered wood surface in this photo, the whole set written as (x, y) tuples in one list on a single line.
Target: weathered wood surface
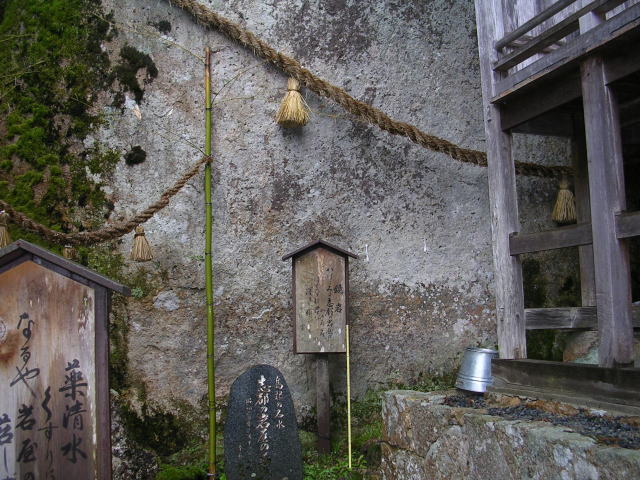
[(563, 318), (502, 192), (583, 212), (606, 187), (320, 302), (562, 237), (48, 401), (323, 403), (614, 386), (628, 224), (547, 37), (624, 24), (533, 22)]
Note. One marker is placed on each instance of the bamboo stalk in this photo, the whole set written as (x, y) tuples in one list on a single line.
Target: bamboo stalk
[(208, 268), (346, 330)]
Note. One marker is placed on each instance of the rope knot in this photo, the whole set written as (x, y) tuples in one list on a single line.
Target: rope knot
[(207, 158)]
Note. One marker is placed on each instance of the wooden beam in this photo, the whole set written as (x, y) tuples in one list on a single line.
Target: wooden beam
[(540, 100), (628, 224), (606, 187), (623, 24), (502, 193), (621, 64), (569, 318), (533, 23), (563, 237), (546, 38), (609, 387)]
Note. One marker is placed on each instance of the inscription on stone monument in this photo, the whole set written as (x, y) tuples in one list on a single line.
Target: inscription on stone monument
[(261, 435)]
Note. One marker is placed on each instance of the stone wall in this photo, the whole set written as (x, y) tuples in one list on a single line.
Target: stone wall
[(425, 439), (422, 289)]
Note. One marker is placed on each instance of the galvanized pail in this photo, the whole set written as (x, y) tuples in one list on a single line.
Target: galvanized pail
[(475, 371)]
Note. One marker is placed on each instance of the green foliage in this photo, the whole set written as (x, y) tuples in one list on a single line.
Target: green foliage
[(53, 67), (189, 472), (335, 467)]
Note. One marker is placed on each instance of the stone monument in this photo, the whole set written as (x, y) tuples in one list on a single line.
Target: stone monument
[(261, 434)]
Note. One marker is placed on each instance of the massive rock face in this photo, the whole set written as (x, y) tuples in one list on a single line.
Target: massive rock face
[(422, 289)]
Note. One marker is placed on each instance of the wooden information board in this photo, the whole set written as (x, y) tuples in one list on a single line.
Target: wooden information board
[(320, 317), (54, 409), (320, 274)]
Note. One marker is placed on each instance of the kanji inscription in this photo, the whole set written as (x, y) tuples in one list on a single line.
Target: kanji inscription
[(320, 291), (47, 363)]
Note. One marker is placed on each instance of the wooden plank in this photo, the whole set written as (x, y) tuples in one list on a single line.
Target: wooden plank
[(536, 102), (502, 193), (563, 237), (47, 369), (323, 403), (622, 64), (320, 306), (583, 211), (103, 415), (569, 318), (534, 22), (613, 386), (628, 224), (546, 38), (624, 24), (606, 187)]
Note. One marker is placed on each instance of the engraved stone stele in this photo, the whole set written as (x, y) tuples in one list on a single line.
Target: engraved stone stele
[(261, 435), (54, 394), (320, 297)]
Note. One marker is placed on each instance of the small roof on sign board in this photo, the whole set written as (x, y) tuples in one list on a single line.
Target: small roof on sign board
[(318, 244), (23, 250)]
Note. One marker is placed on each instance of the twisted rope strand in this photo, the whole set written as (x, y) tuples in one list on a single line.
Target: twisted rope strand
[(104, 234), (359, 109)]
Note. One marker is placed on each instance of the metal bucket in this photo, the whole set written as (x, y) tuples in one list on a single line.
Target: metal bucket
[(475, 371)]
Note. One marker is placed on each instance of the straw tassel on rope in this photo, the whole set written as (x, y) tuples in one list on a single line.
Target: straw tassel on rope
[(5, 239), (141, 251), (564, 210), (293, 112)]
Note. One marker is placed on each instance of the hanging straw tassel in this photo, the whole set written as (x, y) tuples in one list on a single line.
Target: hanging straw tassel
[(69, 252), (293, 112), (141, 251), (564, 210), (5, 239)]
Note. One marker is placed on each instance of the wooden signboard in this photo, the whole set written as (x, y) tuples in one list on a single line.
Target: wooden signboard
[(320, 293), (54, 406), (320, 288)]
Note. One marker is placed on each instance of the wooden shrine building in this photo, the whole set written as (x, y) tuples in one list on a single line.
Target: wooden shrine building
[(568, 68)]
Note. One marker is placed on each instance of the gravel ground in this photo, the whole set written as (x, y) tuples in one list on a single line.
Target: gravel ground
[(605, 429)]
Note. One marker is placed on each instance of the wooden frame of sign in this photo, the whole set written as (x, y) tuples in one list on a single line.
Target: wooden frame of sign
[(54, 357), (320, 290)]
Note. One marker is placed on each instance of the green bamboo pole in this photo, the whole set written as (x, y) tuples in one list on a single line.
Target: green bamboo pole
[(208, 267)]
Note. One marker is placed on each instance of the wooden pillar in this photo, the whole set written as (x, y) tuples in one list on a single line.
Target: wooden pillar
[(323, 403), (583, 212), (502, 192), (606, 185)]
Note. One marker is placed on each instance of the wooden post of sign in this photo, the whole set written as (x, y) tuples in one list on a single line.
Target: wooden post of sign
[(323, 402), (320, 287)]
